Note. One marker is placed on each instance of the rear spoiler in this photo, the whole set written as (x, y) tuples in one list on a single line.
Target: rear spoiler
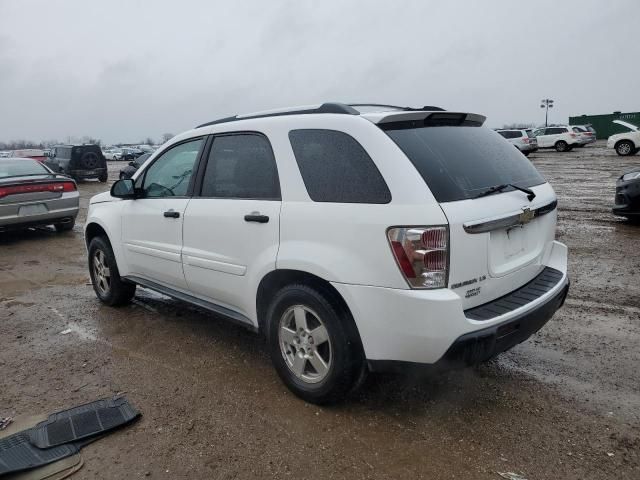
[(429, 118)]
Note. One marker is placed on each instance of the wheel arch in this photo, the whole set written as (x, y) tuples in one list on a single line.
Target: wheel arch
[(93, 230), (273, 281)]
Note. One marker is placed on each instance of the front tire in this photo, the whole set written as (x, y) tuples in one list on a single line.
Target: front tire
[(562, 146), (105, 277), (310, 345), (625, 148)]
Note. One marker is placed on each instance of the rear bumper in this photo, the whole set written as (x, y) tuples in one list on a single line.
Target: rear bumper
[(59, 210), (482, 345), (95, 173), (404, 327), (528, 147)]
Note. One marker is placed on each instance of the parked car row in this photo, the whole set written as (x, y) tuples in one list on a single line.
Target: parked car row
[(562, 138), (126, 154)]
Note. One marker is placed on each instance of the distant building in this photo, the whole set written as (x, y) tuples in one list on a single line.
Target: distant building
[(604, 123)]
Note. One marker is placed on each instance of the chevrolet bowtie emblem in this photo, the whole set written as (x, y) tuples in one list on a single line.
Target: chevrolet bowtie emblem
[(526, 216)]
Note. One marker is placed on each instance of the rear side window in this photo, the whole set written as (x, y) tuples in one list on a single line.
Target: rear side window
[(63, 152), (458, 163), (241, 166), (511, 134), (336, 168)]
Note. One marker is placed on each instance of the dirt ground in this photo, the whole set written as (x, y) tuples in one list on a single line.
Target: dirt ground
[(563, 405)]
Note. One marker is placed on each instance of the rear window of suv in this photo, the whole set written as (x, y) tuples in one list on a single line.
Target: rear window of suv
[(460, 162)]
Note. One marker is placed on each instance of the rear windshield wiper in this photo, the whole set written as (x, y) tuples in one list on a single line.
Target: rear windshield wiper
[(499, 188)]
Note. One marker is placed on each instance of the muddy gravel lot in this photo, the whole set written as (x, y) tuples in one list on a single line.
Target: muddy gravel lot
[(563, 405)]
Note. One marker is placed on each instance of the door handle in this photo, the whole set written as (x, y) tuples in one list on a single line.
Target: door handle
[(172, 214), (256, 217)]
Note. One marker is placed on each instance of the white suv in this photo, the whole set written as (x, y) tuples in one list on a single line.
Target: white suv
[(627, 143), (561, 137), (353, 241), (522, 139)]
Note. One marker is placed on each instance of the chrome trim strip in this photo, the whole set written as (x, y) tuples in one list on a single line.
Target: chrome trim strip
[(509, 220)]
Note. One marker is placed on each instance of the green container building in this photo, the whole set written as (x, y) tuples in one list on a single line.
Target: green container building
[(604, 123)]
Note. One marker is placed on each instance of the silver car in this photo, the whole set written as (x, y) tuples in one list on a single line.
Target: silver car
[(31, 194)]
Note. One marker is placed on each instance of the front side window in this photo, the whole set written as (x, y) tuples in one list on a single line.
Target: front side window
[(336, 168), (241, 166), (170, 174)]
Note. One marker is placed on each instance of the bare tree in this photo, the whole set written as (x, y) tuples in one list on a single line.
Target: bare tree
[(166, 137)]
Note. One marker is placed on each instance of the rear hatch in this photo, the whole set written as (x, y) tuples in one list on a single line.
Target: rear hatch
[(531, 139), (498, 241)]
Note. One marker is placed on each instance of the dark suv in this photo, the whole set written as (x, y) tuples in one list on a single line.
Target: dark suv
[(78, 161)]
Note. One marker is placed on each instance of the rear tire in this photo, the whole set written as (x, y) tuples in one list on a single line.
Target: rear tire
[(562, 146), (625, 148), (310, 345), (105, 277), (65, 227), (104, 177)]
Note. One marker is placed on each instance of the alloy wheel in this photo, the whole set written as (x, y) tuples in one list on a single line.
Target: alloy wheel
[(101, 272), (624, 148), (305, 344)]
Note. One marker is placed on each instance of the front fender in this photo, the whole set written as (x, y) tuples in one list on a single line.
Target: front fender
[(107, 216)]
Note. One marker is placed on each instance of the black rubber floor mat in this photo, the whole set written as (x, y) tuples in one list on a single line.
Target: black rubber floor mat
[(81, 422), (17, 453)]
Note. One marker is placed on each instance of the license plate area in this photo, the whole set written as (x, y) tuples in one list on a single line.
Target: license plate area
[(35, 209), (513, 248)]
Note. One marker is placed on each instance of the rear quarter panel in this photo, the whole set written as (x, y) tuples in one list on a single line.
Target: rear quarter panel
[(347, 242)]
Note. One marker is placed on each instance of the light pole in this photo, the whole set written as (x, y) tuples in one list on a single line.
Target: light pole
[(546, 103)]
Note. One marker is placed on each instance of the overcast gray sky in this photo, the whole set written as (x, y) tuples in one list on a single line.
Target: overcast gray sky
[(122, 70)]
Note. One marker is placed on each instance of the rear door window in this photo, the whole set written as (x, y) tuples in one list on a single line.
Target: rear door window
[(336, 168), (510, 134), (241, 166), (458, 163)]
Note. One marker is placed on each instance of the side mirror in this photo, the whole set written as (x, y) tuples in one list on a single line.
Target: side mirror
[(124, 188), (131, 164)]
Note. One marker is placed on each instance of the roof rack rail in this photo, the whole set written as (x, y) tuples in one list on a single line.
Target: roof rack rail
[(429, 108), (330, 107)]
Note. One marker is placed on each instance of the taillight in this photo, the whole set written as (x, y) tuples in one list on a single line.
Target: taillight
[(525, 139), (37, 187), (574, 135), (422, 253)]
